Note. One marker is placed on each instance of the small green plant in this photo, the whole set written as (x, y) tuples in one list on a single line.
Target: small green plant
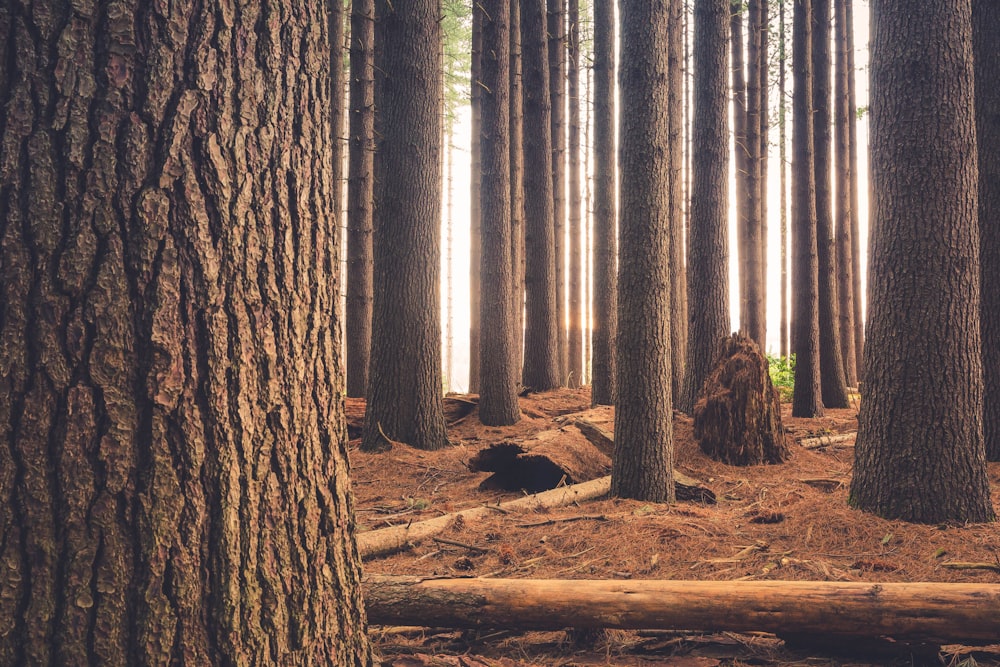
[(782, 371)]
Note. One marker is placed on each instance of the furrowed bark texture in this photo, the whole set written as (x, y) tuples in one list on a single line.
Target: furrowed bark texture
[(643, 460), (517, 185), (845, 261), (755, 324), (172, 449), (807, 400), (541, 347), (675, 119), (832, 381), (498, 393), (708, 241), (859, 296), (986, 27), (361, 151), (575, 349), (783, 345), (404, 383), (605, 210), (556, 18), (919, 454)]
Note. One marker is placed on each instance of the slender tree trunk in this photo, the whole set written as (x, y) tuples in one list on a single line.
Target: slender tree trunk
[(556, 21), (588, 225), (172, 450), (475, 199), (404, 383), (575, 368), (859, 322), (642, 465), (449, 255), (741, 159), (605, 208), (675, 120), (832, 381), (807, 400), (783, 176), (498, 395), (845, 278), (517, 185), (764, 135), (750, 236), (541, 338), (919, 454), (359, 196), (986, 27), (708, 241)]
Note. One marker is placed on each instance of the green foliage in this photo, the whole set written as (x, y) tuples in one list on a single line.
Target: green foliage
[(782, 371), (456, 26)]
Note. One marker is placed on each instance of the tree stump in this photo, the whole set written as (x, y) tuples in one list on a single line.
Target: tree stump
[(737, 419)]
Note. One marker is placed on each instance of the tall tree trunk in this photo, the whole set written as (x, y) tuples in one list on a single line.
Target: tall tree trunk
[(750, 235), (475, 199), (449, 254), (708, 240), (785, 350), (919, 454), (832, 381), (588, 223), (642, 465), (498, 394), (807, 399), (859, 322), (764, 118), (172, 450), (741, 159), (845, 278), (575, 349), (541, 339), (605, 209), (404, 383), (986, 27), (556, 21), (675, 120), (517, 185), (359, 196)]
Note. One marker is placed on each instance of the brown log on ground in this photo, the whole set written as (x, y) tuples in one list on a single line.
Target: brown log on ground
[(456, 408), (967, 613), (388, 540), (737, 419), (842, 439), (542, 461)]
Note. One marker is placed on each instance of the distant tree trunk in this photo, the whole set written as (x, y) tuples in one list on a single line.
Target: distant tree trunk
[(475, 198), (517, 184), (541, 341), (807, 399), (642, 465), (985, 28), (675, 119), (741, 159), (556, 21), (708, 241), (859, 322), (750, 236), (832, 381), (605, 209), (449, 254), (359, 196), (172, 450), (764, 135), (845, 277), (588, 224), (575, 374), (785, 350), (919, 454), (404, 383), (498, 392)]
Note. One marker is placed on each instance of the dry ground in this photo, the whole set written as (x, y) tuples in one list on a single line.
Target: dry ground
[(794, 515)]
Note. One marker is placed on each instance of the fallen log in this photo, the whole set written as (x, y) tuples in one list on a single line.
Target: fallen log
[(388, 540), (827, 440), (929, 611)]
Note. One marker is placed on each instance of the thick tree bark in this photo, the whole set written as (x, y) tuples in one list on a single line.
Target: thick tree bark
[(404, 383), (859, 296), (361, 151), (986, 27), (831, 360), (575, 354), (172, 449), (807, 400), (605, 209), (755, 323), (845, 261), (556, 21), (541, 339), (784, 348), (498, 393), (643, 461), (928, 611), (475, 198), (708, 241), (517, 185), (675, 120), (919, 454)]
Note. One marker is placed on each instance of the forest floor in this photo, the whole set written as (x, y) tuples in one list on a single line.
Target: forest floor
[(777, 522)]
